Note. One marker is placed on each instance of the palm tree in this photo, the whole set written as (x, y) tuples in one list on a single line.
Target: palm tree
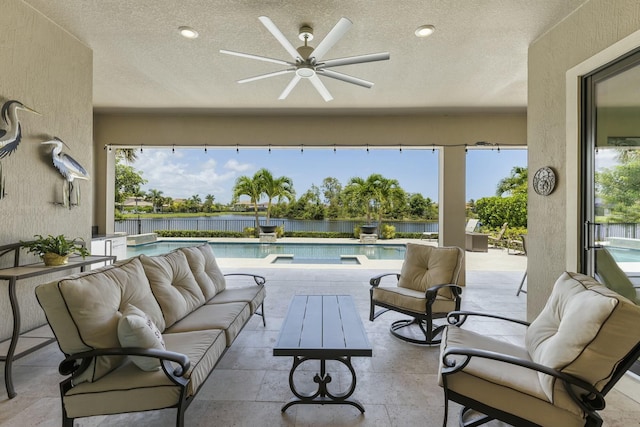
[(516, 183), (127, 154), (252, 187), (387, 194), (275, 188), (362, 192), (155, 196)]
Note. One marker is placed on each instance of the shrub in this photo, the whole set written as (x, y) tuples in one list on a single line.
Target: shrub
[(495, 211), (388, 231), (249, 231)]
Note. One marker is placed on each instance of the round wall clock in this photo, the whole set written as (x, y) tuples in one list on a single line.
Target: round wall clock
[(544, 181)]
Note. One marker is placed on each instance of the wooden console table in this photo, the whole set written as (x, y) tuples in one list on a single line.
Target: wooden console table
[(12, 275)]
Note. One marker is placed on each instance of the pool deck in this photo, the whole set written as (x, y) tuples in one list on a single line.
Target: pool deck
[(496, 259)]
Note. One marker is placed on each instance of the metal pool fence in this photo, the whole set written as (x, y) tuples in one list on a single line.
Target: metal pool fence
[(149, 225)]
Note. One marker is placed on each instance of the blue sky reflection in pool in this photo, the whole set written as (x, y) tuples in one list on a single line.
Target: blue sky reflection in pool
[(313, 251)]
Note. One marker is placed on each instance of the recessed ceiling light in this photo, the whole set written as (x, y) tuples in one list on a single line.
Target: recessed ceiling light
[(188, 32), (425, 30)]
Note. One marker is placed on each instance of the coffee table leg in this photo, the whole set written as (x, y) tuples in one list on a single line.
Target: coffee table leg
[(322, 395)]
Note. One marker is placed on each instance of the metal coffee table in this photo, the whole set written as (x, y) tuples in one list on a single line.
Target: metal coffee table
[(322, 327)]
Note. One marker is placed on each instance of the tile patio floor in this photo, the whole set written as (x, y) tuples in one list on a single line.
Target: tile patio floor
[(397, 386)]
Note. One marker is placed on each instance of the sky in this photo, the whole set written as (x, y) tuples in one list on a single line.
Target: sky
[(189, 171)]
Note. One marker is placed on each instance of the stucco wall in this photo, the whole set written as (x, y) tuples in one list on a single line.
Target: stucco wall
[(47, 69), (552, 132)]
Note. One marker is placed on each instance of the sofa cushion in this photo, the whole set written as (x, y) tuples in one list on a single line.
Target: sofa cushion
[(83, 310), (425, 266), (585, 329), (129, 389), (136, 329), (173, 285), (230, 317), (205, 269), (252, 294)]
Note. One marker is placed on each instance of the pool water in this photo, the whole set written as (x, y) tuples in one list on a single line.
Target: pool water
[(624, 254), (330, 252)]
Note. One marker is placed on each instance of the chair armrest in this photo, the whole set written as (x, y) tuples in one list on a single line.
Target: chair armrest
[(260, 280), (375, 280), (433, 291), (77, 363), (457, 318), (593, 400)]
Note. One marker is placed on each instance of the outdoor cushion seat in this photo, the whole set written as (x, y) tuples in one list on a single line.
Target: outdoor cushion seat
[(578, 347), (231, 317), (126, 389), (251, 294), (426, 289)]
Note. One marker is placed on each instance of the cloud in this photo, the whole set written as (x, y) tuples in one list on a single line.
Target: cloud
[(183, 174), (236, 166)]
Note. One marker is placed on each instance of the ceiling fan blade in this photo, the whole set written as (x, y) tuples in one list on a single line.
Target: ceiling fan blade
[(264, 76), (371, 57), (280, 37), (287, 90), (345, 78), (336, 33), (258, 57), (320, 87)]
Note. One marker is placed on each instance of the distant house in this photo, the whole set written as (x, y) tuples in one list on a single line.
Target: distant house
[(246, 206)]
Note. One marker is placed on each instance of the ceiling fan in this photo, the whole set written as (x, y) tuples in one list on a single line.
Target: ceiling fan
[(308, 62)]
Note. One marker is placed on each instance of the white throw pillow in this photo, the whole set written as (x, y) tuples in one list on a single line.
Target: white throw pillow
[(136, 329)]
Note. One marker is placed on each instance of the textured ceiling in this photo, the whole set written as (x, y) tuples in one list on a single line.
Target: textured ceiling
[(477, 58)]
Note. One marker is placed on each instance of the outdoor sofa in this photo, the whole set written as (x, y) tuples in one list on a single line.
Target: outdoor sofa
[(145, 333)]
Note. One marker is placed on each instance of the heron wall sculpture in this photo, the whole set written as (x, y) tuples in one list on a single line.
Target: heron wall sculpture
[(10, 136), (70, 170)]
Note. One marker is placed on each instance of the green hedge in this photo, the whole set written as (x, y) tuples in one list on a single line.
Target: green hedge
[(198, 233)]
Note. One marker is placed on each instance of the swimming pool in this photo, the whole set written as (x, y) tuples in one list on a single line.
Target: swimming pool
[(313, 252)]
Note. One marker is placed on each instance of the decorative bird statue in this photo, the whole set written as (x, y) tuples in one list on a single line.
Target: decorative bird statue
[(11, 136), (69, 168)]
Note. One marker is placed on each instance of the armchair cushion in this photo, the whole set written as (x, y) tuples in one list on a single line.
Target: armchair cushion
[(411, 300), (136, 329), (578, 341), (173, 285), (425, 266)]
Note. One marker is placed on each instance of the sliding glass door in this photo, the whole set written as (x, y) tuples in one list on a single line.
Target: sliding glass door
[(610, 178)]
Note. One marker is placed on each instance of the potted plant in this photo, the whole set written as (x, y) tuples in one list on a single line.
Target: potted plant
[(55, 250)]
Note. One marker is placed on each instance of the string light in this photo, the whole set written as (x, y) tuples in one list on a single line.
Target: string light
[(205, 148), (401, 148), (141, 148), (334, 148), (466, 150), (237, 149), (173, 149), (301, 148), (269, 148), (367, 148)]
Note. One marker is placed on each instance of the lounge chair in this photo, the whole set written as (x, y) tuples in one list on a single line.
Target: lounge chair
[(498, 240)]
